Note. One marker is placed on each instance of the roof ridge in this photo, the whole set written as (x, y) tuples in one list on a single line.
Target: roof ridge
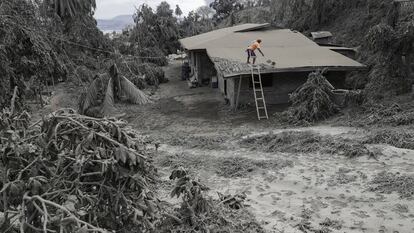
[(220, 33)]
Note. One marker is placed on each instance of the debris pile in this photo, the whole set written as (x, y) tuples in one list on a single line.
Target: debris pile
[(393, 115), (199, 142), (228, 67), (387, 182), (305, 142), (228, 167), (63, 176), (200, 213), (397, 138), (233, 201), (380, 114), (313, 101), (242, 167)]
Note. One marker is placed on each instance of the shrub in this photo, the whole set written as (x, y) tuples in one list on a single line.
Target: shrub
[(313, 101)]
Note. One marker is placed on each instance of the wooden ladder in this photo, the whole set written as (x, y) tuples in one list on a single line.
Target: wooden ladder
[(258, 94)]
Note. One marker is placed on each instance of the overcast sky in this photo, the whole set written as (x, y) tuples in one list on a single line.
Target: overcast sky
[(107, 9)]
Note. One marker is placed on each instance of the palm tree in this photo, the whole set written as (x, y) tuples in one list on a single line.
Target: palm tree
[(178, 11), (71, 8), (117, 88)]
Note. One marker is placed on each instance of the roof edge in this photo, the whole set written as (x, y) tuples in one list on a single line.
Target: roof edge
[(249, 27), (300, 69), (254, 28)]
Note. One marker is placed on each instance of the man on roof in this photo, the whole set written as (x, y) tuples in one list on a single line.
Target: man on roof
[(251, 51)]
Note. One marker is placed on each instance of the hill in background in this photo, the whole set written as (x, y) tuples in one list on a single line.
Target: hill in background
[(115, 24)]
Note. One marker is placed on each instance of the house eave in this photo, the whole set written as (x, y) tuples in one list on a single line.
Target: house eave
[(296, 70)]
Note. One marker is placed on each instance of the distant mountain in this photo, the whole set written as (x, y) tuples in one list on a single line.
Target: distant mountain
[(115, 24)]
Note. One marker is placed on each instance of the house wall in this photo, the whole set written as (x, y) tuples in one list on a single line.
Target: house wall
[(202, 66), (278, 93), (221, 83), (206, 68)]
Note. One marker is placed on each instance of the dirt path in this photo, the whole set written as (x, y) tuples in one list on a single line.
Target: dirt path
[(287, 192)]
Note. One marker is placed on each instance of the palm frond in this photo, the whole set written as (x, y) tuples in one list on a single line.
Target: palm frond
[(135, 95), (91, 96), (70, 8), (109, 103)]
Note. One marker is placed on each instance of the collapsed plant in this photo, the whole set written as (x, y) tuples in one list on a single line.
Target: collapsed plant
[(142, 74), (388, 182), (313, 101), (94, 103), (397, 138), (305, 142), (227, 167), (233, 201), (73, 174), (199, 213)]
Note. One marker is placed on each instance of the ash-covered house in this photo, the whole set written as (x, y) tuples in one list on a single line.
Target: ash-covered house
[(221, 55)]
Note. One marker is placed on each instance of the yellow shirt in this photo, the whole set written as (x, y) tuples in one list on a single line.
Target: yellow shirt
[(254, 46)]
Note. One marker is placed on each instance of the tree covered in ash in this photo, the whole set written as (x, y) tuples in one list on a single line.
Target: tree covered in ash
[(155, 30), (39, 40)]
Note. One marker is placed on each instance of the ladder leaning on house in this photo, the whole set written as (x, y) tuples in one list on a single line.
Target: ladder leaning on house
[(258, 94)]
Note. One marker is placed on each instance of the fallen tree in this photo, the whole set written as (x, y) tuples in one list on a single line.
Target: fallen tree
[(73, 174), (311, 102), (99, 98)]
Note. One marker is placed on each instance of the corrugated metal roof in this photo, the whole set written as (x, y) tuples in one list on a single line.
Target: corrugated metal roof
[(290, 50)]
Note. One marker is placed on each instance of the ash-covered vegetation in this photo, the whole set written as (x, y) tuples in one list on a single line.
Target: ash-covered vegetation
[(83, 171)]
